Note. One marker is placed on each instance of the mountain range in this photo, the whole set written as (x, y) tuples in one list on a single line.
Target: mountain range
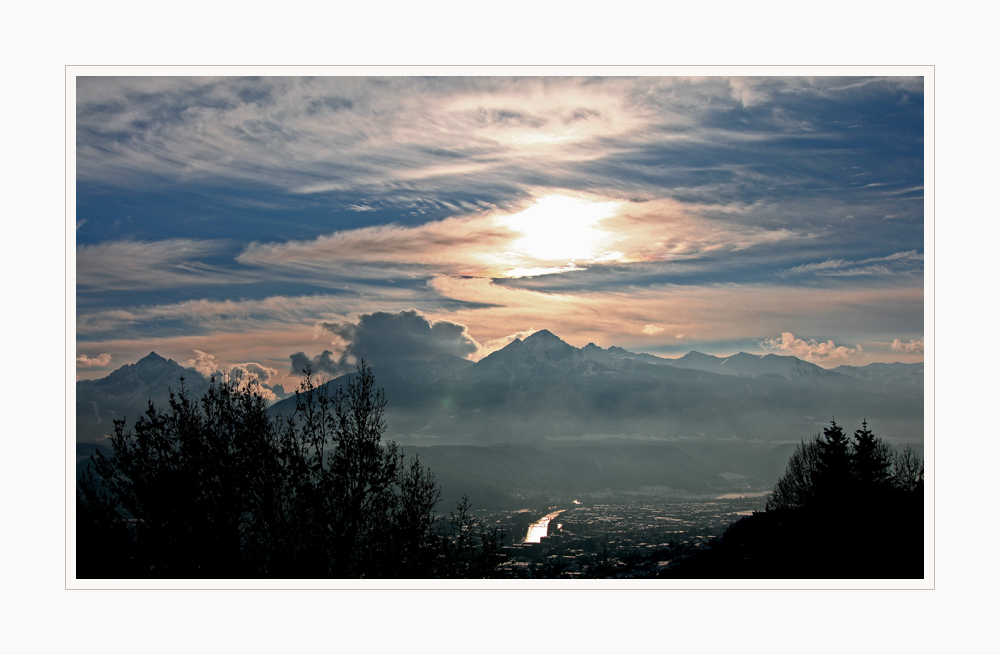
[(543, 390), (540, 414)]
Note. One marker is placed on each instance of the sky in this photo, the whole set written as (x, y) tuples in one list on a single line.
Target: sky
[(253, 226)]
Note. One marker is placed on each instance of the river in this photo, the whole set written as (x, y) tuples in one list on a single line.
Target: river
[(540, 528)]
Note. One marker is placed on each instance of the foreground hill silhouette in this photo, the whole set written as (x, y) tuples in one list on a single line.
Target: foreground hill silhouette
[(843, 509)]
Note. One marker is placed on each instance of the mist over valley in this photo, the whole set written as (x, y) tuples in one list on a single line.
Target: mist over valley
[(540, 415)]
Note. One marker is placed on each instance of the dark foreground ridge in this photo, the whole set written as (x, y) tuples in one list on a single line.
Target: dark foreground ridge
[(876, 542), (845, 508)]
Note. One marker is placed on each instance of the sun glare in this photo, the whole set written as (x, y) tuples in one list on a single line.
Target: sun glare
[(561, 229)]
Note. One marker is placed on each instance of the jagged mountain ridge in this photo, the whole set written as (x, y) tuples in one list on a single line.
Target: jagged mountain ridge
[(126, 392), (543, 388), (747, 365), (543, 352)]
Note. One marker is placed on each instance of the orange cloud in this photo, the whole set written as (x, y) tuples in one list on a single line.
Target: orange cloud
[(914, 346), (556, 231), (82, 361), (809, 350), (723, 312)]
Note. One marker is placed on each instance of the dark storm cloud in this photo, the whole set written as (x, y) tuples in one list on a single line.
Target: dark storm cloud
[(388, 336), (322, 363)]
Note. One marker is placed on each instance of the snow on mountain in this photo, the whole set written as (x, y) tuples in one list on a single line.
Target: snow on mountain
[(150, 376), (538, 357), (543, 356), (754, 366), (615, 355), (126, 392)]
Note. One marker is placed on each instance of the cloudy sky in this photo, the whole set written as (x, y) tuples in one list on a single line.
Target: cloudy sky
[(263, 224)]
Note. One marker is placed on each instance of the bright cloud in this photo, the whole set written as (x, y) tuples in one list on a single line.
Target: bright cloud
[(465, 245), (652, 329), (561, 228), (245, 373), (494, 345), (811, 350), (913, 346), (82, 361), (553, 233), (204, 363)]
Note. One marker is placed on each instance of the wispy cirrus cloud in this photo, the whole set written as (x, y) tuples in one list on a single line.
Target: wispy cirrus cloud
[(205, 315), (456, 244), (698, 206), (343, 132), (387, 137), (551, 233), (900, 262), (150, 265)]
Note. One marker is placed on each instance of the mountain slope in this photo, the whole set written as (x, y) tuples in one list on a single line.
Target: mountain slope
[(126, 392), (896, 373)]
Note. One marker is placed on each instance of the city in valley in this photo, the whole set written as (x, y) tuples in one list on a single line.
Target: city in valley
[(627, 531)]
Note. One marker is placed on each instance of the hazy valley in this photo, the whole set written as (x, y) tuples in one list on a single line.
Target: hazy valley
[(542, 416)]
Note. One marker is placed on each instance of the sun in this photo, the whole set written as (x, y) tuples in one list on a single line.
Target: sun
[(561, 230)]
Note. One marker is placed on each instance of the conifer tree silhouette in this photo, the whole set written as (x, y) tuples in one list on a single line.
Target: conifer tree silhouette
[(218, 489), (833, 466)]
